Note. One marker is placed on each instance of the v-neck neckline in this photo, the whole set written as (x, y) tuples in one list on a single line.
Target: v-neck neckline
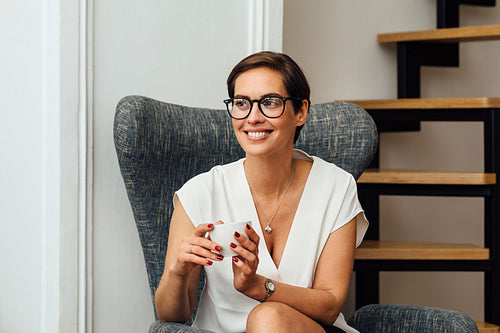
[(255, 216)]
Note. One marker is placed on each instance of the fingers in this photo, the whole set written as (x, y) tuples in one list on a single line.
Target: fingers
[(248, 249), (244, 267), (246, 263), (252, 235), (202, 256), (198, 249), (202, 229), (200, 238), (250, 242), (192, 258), (188, 259)]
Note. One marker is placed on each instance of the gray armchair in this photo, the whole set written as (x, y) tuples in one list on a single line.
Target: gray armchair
[(160, 146)]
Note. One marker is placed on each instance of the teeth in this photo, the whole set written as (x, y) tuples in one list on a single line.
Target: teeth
[(257, 134)]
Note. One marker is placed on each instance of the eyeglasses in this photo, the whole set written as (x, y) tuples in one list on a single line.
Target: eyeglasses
[(270, 106)]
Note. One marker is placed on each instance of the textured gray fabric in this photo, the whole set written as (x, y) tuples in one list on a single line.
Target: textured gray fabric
[(382, 318), (159, 327), (160, 146)]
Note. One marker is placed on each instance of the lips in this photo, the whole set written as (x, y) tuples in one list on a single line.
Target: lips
[(259, 134)]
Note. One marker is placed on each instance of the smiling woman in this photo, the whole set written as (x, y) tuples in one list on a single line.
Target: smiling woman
[(293, 264), (271, 127)]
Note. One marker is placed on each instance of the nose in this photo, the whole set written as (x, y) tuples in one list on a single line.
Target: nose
[(255, 113)]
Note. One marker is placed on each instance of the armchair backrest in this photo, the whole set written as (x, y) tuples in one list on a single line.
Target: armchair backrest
[(160, 146)]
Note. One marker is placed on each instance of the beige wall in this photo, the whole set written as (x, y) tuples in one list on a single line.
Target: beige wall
[(335, 42)]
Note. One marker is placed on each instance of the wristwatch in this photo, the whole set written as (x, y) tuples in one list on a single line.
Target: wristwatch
[(270, 288)]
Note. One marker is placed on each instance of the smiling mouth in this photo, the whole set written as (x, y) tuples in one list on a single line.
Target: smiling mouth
[(258, 134)]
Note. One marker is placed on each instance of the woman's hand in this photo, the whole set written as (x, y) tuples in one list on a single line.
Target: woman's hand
[(195, 249), (246, 263)]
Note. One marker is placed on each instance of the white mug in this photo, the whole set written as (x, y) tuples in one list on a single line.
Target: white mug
[(223, 234)]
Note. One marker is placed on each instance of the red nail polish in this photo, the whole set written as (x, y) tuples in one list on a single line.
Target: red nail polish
[(237, 234), (209, 262), (232, 245), (210, 225), (220, 257), (218, 248), (248, 226), (235, 259)]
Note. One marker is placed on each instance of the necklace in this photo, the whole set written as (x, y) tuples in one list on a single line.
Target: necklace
[(268, 229)]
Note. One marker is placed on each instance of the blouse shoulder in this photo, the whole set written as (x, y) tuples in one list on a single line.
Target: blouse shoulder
[(199, 192), (207, 178)]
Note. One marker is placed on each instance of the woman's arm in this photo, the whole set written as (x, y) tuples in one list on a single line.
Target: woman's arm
[(188, 250), (324, 301)]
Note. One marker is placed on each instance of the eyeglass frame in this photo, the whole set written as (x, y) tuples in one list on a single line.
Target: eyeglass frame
[(252, 101)]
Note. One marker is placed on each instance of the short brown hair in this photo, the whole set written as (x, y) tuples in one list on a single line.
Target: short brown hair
[(293, 77)]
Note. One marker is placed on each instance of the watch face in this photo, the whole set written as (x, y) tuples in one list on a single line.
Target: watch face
[(270, 285)]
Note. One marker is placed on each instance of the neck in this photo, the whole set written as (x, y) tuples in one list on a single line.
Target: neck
[(268, 176)]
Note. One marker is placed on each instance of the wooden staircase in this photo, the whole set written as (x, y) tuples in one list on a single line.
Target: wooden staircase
[(437, 47)]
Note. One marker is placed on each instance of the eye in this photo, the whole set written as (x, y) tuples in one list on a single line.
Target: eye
[(271, 102), (240, 103)]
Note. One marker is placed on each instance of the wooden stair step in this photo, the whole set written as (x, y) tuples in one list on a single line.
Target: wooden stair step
[(429, 103), (487, 328), (396, 176), (448, 35), (388, 250)]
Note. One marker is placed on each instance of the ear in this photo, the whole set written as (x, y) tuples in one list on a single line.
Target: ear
[(303, 113)]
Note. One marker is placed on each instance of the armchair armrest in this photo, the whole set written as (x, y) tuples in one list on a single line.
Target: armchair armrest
[(405, 318)]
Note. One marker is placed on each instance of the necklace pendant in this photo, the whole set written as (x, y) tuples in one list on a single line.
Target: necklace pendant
[(268, 229)]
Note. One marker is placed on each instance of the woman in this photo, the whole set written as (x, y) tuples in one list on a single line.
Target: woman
[(294, 264)]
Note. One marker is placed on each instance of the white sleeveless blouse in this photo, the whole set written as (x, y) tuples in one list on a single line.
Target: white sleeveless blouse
[(328, 202)]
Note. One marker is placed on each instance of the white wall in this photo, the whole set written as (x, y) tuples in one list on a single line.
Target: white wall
[(39, 134), (20, 156), (335, 42)]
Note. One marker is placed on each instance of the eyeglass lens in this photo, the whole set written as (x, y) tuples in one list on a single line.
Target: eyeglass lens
[(270, 106)]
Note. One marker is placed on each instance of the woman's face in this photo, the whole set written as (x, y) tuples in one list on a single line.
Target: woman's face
[(257, 134)]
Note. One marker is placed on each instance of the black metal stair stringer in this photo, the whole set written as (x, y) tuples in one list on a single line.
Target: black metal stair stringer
[(412, 55), (492, 219), (448, 12)]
